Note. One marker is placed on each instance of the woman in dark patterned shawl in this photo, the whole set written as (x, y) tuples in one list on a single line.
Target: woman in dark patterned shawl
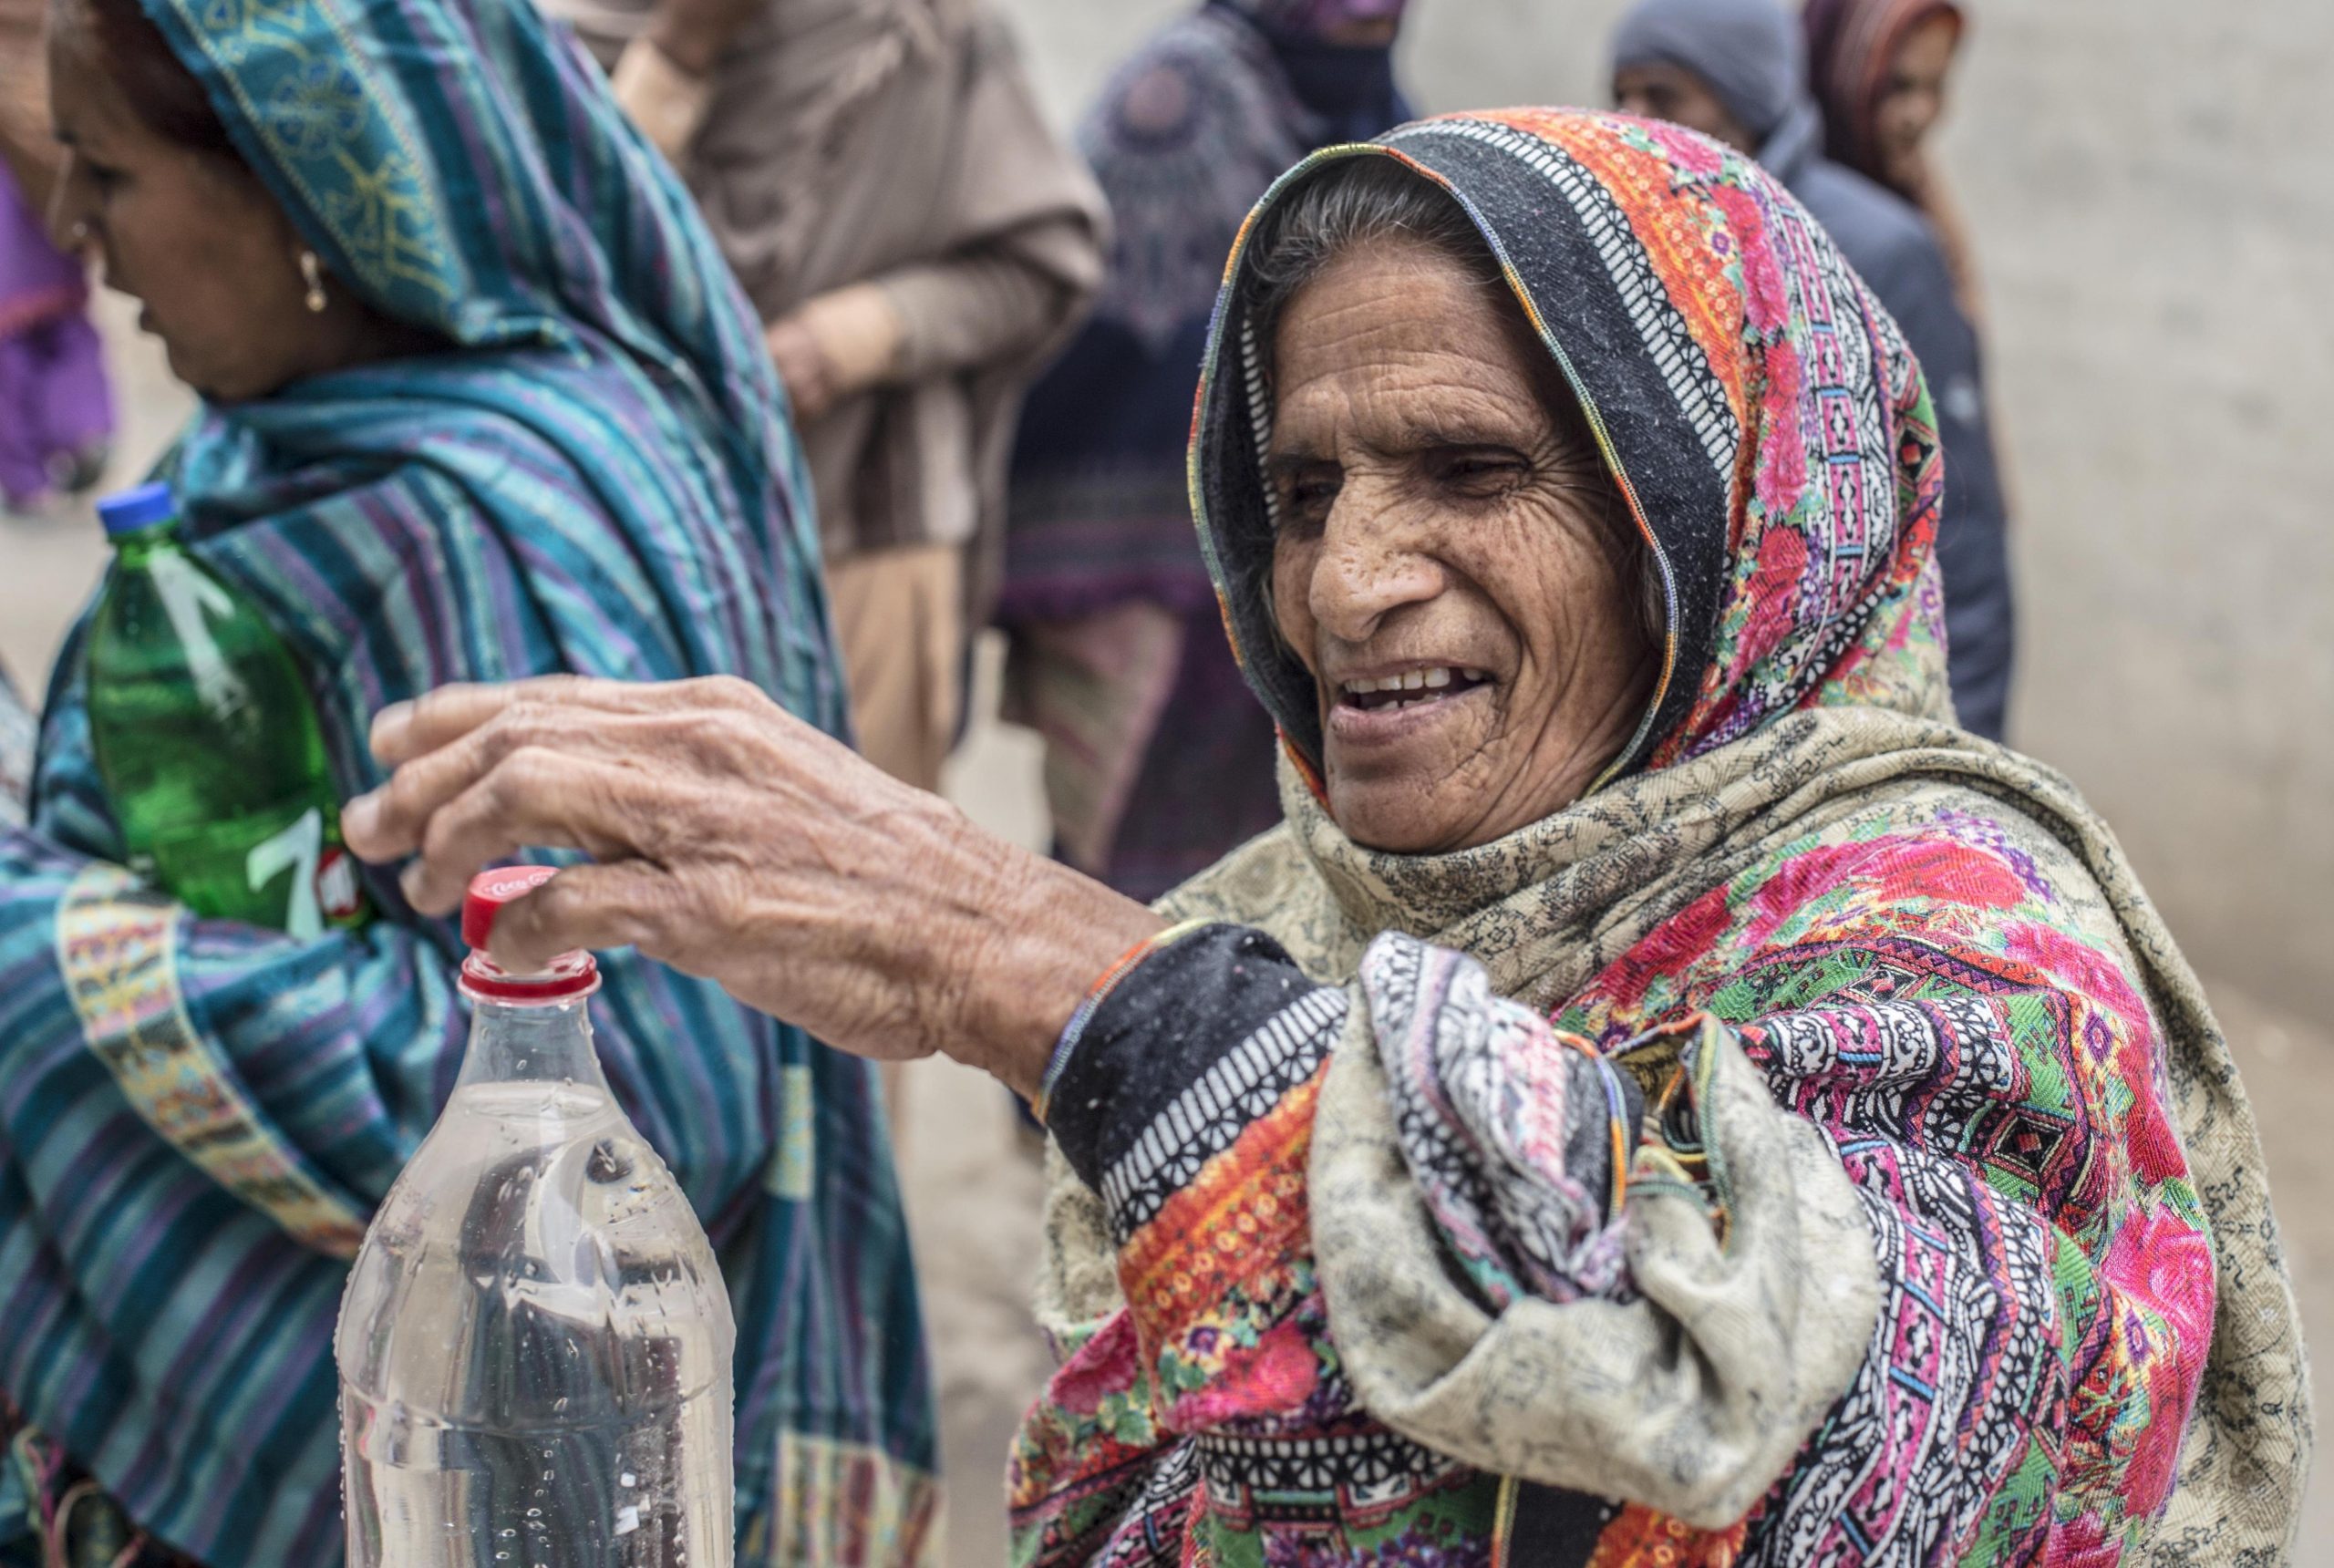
[(1664, 1096), (1116, 657)]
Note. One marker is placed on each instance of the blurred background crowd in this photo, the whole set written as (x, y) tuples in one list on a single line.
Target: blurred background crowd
[(2104, 228)]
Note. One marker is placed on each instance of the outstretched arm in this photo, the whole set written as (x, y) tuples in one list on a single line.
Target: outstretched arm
[(740, 845)]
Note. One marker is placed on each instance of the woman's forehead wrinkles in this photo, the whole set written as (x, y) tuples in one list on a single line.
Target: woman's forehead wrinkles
[(1389, 413)]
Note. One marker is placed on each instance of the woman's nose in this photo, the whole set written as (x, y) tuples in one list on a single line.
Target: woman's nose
[(1369, 566)]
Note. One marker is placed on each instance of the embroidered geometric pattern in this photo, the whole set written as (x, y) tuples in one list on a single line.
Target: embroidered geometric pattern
[(1206, 1118), (117, 942), (1150, 1533), (1497, 1128), (1349, 1466), (1908, 996)]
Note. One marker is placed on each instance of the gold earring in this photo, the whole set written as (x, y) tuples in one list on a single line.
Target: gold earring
[(313, 271)]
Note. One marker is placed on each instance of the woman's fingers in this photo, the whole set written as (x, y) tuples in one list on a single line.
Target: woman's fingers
[(536, 797), (388, 822), (405, 730), (452, 738), (393, 819)]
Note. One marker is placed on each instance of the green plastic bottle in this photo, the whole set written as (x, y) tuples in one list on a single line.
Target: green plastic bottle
[(206, 739)]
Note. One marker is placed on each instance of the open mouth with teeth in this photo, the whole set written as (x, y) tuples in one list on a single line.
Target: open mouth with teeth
[(1411, 687)]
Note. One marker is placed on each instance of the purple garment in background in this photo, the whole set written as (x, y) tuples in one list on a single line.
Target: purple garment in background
[(53, 402)]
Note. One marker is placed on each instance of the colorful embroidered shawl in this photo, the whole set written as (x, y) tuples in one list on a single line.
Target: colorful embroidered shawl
[(1950, 1240), (594, 475)]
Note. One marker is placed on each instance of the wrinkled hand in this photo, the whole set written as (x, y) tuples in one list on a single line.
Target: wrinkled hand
[(737, 843)]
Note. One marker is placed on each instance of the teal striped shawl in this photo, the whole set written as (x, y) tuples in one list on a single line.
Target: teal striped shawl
[(596, 475)]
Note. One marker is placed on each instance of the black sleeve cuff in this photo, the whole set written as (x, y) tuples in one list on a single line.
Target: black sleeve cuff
[(1194, 1043)]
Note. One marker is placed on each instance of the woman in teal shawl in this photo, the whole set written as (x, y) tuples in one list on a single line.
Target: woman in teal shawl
[(481, 402)]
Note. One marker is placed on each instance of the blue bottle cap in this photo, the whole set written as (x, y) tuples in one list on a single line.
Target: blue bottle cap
[(130, 511)]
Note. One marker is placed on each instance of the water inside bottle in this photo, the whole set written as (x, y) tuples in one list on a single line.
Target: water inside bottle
[(534, 1348)]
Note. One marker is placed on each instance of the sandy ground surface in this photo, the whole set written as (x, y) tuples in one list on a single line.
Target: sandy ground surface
[(973, 1190)]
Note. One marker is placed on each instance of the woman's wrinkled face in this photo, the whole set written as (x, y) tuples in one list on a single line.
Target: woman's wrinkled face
[(190, 234), (1912, 100), (1449, 568)]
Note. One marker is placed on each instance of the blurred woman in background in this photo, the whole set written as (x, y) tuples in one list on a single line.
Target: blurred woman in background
[(1735, 69), (916, 240), (1880, 68), (480, 400), (1157, 760)]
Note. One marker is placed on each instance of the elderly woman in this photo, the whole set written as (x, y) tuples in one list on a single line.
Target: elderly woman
[(479, 402), (1664, 1094)]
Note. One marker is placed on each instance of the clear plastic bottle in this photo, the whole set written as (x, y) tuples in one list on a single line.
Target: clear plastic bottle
[(535, 1344)]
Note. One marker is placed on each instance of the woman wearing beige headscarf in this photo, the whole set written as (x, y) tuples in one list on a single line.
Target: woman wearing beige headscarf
[(881, 179)]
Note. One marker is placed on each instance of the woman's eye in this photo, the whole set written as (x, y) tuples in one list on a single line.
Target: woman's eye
[(1481, 474), (1308, 498)]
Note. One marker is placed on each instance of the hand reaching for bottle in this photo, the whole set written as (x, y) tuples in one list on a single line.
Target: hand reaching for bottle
[(738, 844)]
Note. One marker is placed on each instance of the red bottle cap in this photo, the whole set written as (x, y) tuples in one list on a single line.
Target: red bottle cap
[(490, 891), (567, 975)]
